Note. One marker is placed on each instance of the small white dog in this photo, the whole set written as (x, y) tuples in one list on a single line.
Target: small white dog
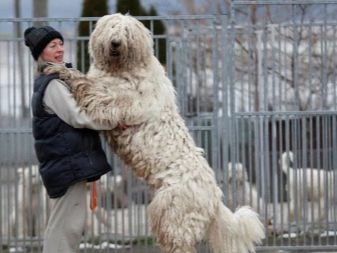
[(29, 215), (240, 190), (31, 209), (307, 185), (126, 84)]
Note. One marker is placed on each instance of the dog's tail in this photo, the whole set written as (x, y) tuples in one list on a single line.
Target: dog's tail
[(235, 232), (287, 159)]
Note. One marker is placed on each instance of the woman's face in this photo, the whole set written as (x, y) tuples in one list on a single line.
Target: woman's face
[(53, 52)]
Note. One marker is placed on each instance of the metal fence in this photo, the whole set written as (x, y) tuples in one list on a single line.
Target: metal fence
[(257, 88)]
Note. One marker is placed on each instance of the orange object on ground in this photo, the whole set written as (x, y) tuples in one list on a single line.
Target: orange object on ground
[(93, 196)]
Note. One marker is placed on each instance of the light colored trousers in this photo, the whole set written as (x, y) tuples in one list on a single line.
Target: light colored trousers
[(67, 221)]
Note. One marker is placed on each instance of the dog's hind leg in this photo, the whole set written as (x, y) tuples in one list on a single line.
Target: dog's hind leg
[(178, 227), (182, 249)]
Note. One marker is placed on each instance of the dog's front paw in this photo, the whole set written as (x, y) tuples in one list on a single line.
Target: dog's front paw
[(71, 74), (66, 74), (52, 69)]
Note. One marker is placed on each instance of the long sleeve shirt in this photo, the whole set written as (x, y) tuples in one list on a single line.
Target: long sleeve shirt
[(59, 100)]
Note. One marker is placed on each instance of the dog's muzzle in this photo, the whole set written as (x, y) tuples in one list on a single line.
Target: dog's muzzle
[(115, 49)]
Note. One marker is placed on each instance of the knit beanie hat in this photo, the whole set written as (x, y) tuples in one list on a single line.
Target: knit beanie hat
[(38, 38)]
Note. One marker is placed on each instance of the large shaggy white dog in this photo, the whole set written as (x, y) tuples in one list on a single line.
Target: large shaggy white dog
[(126, 85), (310, 189)]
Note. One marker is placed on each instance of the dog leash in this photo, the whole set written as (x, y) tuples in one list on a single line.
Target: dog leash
[(93, 196)]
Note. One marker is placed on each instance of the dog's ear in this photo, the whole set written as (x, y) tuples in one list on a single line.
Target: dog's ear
[(238, 170), (241, 173), (286, 157), (291, 159), (230, 172)]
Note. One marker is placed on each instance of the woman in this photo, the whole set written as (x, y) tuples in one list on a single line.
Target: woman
[(67, 147)]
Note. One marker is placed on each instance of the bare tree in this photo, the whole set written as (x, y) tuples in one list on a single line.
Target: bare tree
[(284, 44), (202, 7), (280, 60), (190, 6)]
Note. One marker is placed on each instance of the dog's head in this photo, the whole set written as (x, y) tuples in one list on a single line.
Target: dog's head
[(120, 42), (287, 161), (236, 173)]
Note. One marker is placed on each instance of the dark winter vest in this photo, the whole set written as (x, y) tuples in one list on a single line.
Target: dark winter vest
[(67, 155)]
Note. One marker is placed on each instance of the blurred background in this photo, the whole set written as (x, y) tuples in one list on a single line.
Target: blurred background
[(66, 9)]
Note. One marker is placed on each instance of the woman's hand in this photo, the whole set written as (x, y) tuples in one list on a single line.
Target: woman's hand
[(122, 126), (65, 74)]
